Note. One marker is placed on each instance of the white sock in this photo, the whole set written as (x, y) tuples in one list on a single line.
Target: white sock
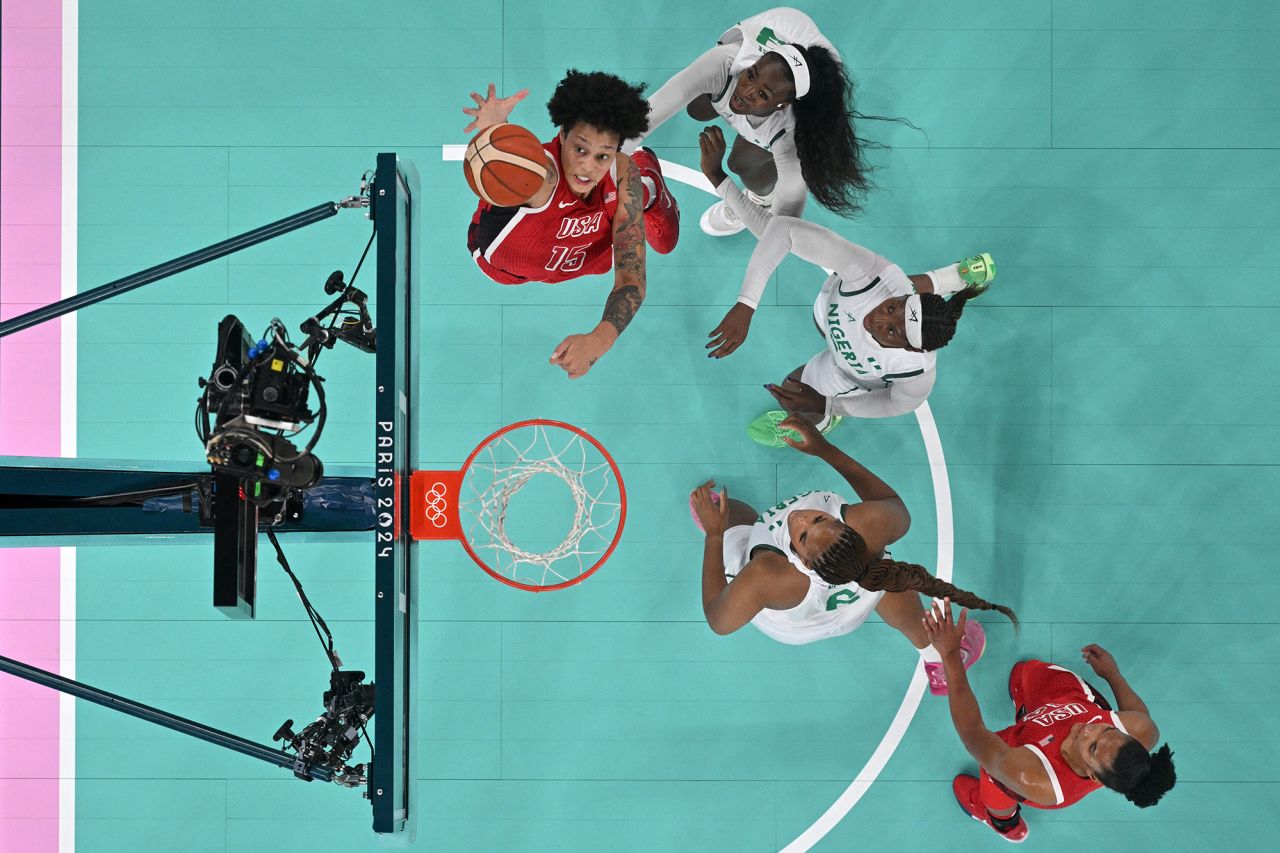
[(765, 200), (650, 191), (930, 655), (946, 280)]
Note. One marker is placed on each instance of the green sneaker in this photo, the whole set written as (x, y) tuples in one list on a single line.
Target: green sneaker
[(978, 272), (765, 430)]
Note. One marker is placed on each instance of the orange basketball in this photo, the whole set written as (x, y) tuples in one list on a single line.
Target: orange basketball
[(505, 165)]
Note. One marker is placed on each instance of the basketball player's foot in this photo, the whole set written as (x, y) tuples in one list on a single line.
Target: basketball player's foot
[(662, 216), (715, 499), (719, 221), (765, 430), (968, 795), (972, 645), (977, 272)]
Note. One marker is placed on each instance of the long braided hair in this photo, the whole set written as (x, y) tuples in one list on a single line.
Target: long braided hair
[(939, 317), (846, 561)]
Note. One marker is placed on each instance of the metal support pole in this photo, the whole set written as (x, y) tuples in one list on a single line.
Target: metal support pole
[(271, 755), (177, 265)]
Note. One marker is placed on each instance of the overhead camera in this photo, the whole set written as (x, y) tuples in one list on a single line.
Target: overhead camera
[(257, 397), (330, 740)]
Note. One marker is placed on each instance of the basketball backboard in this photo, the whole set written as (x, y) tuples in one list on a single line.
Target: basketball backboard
[(394, 206)]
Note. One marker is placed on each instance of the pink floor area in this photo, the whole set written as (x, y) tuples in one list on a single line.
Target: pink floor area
[(30, 399)]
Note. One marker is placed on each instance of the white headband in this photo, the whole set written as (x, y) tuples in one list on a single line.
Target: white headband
[(913, 316), (799, 68)]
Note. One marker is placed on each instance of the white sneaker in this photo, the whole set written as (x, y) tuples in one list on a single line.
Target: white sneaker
[(719, 221)]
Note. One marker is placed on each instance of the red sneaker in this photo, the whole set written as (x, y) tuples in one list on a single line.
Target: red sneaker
[(662, 218), (965, 788)]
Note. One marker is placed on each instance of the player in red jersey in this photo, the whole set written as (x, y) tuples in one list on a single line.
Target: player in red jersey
[(1067, 740), (596, 209)]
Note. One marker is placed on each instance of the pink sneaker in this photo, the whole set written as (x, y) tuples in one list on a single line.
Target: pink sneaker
[(972, 645), (715, 499)]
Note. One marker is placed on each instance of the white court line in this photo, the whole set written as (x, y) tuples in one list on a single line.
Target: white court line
[(68, 406), (915, 690), (946, 551)]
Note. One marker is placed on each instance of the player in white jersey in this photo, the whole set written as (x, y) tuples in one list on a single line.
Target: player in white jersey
[(816, 566), (777, 81), (882, 327)]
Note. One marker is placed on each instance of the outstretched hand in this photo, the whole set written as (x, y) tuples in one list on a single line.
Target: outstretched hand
[(943, 633), (711, 141), (795, 396), (811, 441), (1100, 661), (711, 508), (491, 109), (732, 331)]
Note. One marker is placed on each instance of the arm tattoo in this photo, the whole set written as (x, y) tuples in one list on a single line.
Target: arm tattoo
[(628, 234), (622, 305)]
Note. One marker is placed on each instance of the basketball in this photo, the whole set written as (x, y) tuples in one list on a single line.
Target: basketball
[(505, 165)]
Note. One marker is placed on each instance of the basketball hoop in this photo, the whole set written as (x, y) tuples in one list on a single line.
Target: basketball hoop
[(517, 490)]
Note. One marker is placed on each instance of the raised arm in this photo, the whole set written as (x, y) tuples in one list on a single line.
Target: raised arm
[(491, 109), (729, 606), (706, 75), (1137, 718), (903, 396), (578, 353), (1017, 768), (883, 517)]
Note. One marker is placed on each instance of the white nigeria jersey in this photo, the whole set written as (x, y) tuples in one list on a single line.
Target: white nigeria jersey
[(844, 301), (827, 610), (753, 38)]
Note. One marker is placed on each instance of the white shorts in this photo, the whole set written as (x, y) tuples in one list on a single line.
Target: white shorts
[(824, 373)]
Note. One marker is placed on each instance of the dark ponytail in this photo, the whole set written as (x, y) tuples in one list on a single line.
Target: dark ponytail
[(846, 561), (939, 317), (831, 154), (1143, 778)]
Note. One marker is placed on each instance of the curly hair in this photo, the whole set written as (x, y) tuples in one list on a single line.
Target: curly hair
[(1143, 778), (847, 561), (939, 318), (601, 100)]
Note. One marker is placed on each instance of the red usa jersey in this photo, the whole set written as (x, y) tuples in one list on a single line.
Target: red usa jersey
[(1051, 700), (565, 238)]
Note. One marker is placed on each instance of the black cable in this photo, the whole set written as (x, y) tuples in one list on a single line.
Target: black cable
[(122, 497), (362, 255), (312, 614)]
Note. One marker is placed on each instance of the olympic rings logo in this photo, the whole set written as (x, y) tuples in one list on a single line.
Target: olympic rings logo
[(436, 505)]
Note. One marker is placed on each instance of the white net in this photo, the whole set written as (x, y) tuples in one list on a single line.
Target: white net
[(540, 505)]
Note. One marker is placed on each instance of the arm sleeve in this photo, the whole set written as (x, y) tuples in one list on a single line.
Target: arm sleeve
[(901, 397), (783, 235), (790, 192), (706, 75)]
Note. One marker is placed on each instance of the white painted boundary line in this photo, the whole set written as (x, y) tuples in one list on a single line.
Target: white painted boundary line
[(946, 553), (67, 440), (915, 690)]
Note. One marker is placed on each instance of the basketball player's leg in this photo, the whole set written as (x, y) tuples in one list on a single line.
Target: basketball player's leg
[(754, 166), (903, 610), (741, 513), (661, 213), (701, 109)]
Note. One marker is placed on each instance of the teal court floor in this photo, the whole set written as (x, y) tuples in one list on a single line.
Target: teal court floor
[(1108, 413)]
